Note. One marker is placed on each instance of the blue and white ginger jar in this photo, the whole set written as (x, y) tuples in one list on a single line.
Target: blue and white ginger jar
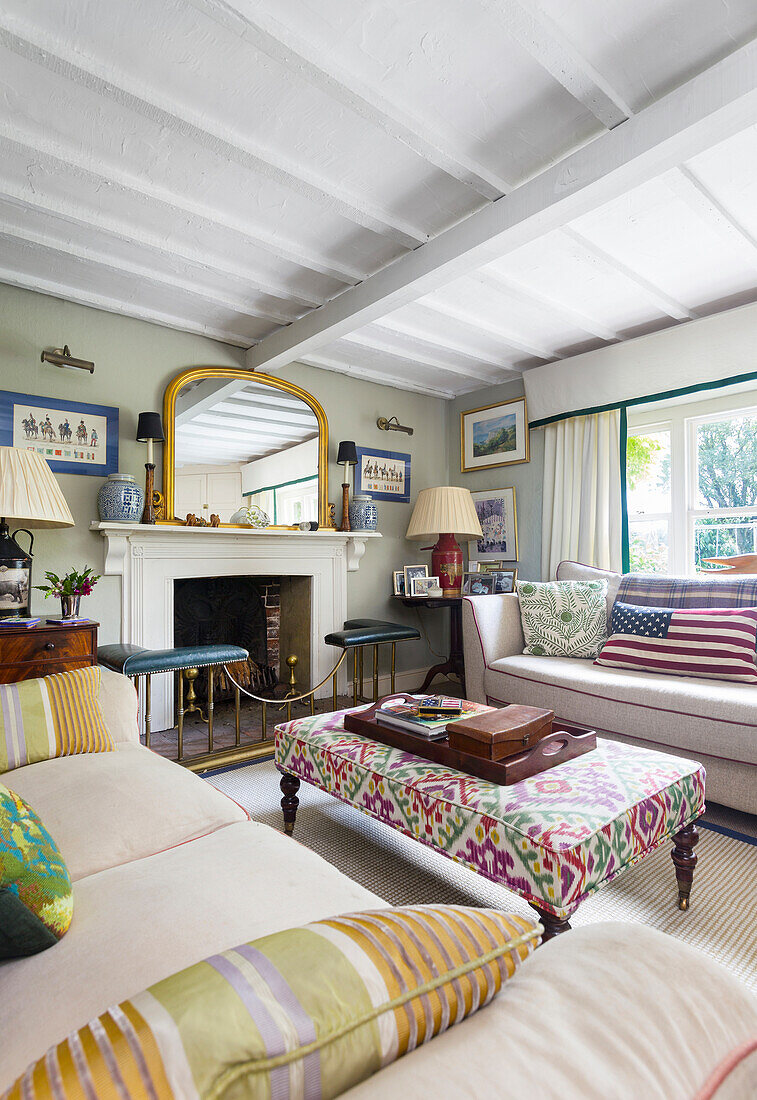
[(120, 499), (363, 514)]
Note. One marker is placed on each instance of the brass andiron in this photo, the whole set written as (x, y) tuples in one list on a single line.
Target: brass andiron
[(292, 662), (190, 675)]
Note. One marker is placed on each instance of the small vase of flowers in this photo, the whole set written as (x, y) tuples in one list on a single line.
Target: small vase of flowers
[(69, 589)]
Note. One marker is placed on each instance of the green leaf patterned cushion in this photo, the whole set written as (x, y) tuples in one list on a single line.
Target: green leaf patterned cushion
[(306, 1013), (563, 618)]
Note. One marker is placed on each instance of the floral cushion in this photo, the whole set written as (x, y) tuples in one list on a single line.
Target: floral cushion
[(36, 899), (254, 1022), (563, 618), (553, 839)]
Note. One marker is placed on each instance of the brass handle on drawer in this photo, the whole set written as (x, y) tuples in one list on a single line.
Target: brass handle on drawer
[(49, 645)]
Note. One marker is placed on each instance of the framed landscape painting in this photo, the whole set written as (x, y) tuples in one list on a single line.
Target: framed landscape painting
[(496, 513), (494, 435)]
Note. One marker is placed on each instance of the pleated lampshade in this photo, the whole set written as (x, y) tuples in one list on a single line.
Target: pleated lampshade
[(29, 493), (445, 509)]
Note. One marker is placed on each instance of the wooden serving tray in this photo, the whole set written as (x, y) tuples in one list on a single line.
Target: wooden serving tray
[(556, 748)]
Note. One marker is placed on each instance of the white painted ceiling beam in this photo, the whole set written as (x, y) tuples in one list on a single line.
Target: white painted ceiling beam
[(709, 108), (438, 339), (413, 355), (195, 289), (216, 141), (548, 46), (31, 205), (70, 293), (656, 295), (300, 421), (56, 157), (206, 423), (284, 45), (516, 343), (392, 381), (687, 185), (503, 284)]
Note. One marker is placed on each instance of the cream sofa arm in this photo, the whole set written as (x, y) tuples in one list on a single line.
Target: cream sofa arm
[(118, 699), (491, 629)]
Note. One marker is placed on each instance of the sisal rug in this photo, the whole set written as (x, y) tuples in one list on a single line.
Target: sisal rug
[(722, 920)]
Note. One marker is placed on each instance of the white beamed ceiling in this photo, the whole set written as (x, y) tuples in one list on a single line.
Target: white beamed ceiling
[(227, 167)]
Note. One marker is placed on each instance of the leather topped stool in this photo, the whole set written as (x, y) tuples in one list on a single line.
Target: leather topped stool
[(135, 661), (358, 633)]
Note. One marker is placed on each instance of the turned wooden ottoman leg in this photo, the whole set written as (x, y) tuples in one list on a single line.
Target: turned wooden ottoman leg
[(685, 860), (553, 926), (290, 785)]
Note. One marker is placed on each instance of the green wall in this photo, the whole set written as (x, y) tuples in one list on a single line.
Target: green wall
[(525, 477), (134, 361)]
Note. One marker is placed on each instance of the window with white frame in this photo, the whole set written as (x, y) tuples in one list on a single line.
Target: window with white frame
[(691, 487)]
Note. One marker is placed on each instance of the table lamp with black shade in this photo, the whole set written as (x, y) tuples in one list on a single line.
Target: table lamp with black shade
[(31, 497), (149, 431), (346, 457)]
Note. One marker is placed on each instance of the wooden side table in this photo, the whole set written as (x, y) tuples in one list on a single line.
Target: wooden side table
[(454, 665), (30, 651)]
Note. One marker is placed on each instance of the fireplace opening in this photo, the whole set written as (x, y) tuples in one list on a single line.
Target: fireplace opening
[(242, 611)]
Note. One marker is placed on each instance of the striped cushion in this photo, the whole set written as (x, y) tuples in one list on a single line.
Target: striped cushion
[(306, 1013), (54, 716), (714, 643)]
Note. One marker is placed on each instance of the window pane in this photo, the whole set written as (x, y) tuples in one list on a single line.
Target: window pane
[(648, 473), (716, 537), (649, 546), (727, 463)]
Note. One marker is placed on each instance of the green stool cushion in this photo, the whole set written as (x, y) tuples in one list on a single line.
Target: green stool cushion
[(133, 660), (359, 632)]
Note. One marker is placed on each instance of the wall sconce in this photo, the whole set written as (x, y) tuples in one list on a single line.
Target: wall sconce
[(61, 357), (392, 425)]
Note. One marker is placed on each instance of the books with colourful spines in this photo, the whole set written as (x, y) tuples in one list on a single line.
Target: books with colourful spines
[(19, 620), (405, 716)]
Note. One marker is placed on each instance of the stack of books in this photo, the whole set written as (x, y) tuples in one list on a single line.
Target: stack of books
[(19, 620), (427, 721)]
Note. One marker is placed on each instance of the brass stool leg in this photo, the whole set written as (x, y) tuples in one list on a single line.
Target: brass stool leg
[(148, 709), (361, 691), (264, 722), (181, 716), (237, 732), (354, 677), (375, 673), (333, 692), (289, 712), (394, 655), (210, 708), (312, 702)]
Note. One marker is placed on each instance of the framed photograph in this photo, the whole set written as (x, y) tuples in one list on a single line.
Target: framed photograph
[(74, 437), (478, 584), (421, 585), (504, 580), (474, 566), (487, 566), (494, 435), (398, 582), (383, 475), (413, 573), (495, 509)]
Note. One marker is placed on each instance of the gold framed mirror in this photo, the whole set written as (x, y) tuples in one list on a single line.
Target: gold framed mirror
[(235, 439)]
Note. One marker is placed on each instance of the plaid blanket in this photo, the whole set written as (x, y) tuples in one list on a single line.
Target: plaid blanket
[(647, 590)]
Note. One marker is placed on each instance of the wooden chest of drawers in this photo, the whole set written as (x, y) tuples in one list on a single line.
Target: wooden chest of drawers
[(27, 652)]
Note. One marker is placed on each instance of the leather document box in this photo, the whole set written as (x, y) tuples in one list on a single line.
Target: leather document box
[(498, 734)]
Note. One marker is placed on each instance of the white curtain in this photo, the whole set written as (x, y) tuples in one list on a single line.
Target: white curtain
[(581, 506)]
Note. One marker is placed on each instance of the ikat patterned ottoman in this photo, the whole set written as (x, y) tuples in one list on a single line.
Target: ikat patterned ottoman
[(553, 839)]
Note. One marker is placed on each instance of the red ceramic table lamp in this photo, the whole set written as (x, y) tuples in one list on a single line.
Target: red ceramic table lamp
[(445, 511)]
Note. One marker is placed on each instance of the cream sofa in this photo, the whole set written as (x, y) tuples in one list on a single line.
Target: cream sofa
[(713, 721), (167, 871)]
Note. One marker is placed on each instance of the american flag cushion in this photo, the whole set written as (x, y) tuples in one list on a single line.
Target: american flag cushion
[(717, 643)]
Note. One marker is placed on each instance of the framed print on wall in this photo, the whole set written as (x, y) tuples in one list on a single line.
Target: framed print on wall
[(74, 437), (496, 513), (494, 435), (382, 475)]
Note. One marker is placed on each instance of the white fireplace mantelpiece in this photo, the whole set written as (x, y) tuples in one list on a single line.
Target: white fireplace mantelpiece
[(148, 558)]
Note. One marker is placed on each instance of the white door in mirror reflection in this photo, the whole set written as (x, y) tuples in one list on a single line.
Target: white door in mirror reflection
[(207, 491)]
